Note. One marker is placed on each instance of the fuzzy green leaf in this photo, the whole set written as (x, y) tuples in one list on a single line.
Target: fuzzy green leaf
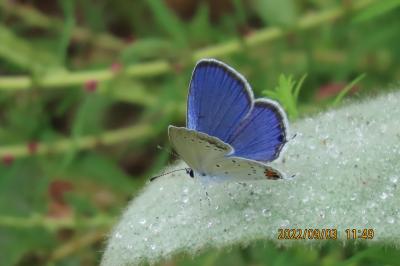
[(287, 93), (346, 89), (346, 163)]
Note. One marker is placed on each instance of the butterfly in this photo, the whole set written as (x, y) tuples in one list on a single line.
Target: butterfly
[(229, 135)]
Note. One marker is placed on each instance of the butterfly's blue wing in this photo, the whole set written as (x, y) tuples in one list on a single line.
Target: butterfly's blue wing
[(262, 134), (220, 104), (219, 98)]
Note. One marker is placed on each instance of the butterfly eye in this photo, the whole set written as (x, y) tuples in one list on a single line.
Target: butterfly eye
[(190, 172)]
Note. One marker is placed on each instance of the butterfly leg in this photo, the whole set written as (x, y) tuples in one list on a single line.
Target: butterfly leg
[(207, 196), (208, 199)]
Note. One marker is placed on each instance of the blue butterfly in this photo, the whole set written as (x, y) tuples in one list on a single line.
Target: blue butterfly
[(229, 134)]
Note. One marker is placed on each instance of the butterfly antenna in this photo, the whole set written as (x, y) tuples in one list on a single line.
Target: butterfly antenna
[(291, 138), (188, 171)]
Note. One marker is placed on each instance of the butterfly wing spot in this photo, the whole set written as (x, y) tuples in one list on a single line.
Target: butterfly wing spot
[(216, 144), (271, 175)]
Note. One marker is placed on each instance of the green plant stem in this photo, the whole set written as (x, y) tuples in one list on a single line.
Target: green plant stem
[(56, 80), (274, 33), (52, 224), (150, 69), (83, 143), (76, 244), (35, 18)]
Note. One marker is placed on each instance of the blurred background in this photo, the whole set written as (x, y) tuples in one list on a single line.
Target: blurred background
[(88, 88)]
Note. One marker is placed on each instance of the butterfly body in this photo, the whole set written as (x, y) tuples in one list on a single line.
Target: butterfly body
[(229, 135)]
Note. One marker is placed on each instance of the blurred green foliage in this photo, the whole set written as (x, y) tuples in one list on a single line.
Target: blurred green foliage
[(73, 73), (287, 92)]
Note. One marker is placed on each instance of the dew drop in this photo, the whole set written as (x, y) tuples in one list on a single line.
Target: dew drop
[(156, 228), (390, 220), (394, 179), (142, 221), (383, 128), (266, 213), (153, 247), (359, 132), (118, 235), (353, 197), (185, 200), (285, 223), (209, 225), (383, 195)]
